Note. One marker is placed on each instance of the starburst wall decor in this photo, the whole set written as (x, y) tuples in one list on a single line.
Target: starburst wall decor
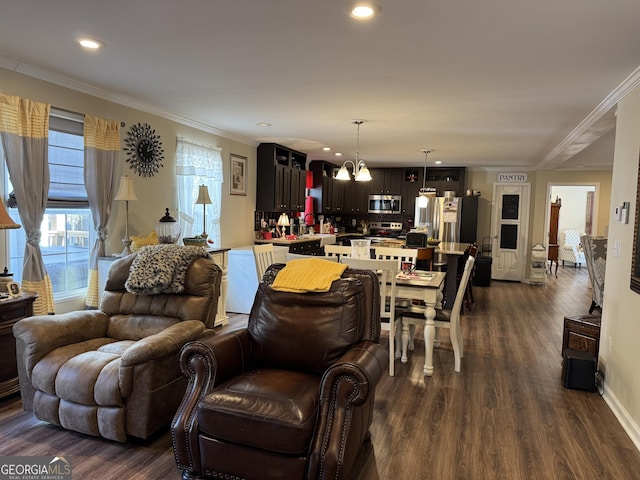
[(144, 150)]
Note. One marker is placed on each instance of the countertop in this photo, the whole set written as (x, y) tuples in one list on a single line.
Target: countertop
[(325, 239), (452, 248)]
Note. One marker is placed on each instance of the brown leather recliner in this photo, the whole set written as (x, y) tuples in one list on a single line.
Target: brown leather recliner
[(115, 372), (291, 395)]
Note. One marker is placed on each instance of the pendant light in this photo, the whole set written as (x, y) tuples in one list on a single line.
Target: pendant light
[(424, 192), (360, 170)]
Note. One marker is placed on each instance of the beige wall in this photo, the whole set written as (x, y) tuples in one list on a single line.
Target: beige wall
[(483, 180), (157, 192), (619, 352)]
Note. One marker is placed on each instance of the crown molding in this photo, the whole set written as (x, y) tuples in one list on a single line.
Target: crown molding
[(609, 102), (88, 89)]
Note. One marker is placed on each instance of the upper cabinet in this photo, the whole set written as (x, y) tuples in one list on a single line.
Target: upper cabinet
[(411, 185), (336, 196), (446, 179), (387, 181), (327, 192), (281, 178)]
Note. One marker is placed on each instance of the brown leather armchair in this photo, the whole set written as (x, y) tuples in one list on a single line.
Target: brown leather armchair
[(115, 372), (289, 396)]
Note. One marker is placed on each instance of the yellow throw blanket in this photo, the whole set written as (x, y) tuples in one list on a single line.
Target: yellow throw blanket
[(308, 275)]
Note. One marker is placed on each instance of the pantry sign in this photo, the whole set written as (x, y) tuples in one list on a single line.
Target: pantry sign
[(512, 177)]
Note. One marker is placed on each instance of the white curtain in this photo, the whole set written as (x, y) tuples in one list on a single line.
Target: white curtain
[(199, 165)]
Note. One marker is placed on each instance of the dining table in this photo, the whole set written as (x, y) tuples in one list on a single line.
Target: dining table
[(425, 286)]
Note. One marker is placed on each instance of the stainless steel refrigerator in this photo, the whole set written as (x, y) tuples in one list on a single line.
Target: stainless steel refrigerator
[(452, 219)]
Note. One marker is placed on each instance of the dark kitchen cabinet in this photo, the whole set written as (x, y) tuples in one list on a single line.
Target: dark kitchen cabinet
[(281, 176), (298, 188), (411, 185), (328, 193), (356, 197), (386, 181), (445, 179), (306, 248), (338, 194)]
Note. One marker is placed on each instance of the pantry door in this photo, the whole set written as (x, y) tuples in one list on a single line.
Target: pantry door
[(510, 231)]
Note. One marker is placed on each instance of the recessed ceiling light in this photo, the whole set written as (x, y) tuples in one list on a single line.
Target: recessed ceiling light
[(326, 149), (338, 154), (90, 43), (438, 162), (263, 124), (364, 11)]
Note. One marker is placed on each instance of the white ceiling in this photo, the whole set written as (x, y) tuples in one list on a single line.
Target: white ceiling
[(493, 83)]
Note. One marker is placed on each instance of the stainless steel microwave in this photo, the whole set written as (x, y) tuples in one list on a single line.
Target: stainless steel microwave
[(385, 204)]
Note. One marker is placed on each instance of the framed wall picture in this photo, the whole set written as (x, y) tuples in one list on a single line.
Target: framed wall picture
[(238, 175)]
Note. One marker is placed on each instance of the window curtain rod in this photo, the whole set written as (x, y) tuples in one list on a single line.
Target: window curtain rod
[(189, 142)]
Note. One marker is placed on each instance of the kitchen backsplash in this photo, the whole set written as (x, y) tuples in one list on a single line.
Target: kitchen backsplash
[(343, 221)]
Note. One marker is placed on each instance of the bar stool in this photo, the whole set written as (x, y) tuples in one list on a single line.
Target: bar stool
[(424, 260)]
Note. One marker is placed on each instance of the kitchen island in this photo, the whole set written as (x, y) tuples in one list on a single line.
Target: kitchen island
[(304, 244)]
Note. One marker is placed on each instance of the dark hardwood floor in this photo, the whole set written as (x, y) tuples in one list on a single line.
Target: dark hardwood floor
[(505, 416)]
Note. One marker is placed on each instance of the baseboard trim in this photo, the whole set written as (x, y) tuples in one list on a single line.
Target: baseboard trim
[(629, 425)]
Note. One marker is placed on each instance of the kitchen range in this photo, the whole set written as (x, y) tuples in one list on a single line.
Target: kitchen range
[(382, 231)]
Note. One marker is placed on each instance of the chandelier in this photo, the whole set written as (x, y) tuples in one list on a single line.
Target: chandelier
[(360, 170)]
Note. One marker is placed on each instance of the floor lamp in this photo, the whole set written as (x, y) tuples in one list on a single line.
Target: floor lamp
[(126, 193), (6, 223), (204, 200)]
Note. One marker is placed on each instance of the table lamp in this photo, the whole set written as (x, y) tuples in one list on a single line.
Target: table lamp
[(204, 200), (126, 193), (283, 221), (6, 223)]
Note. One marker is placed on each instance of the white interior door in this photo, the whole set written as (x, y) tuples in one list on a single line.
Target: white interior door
[(509, 230)]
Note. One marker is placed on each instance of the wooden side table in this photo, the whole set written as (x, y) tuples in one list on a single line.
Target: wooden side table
[(11, 311), (582, 333)]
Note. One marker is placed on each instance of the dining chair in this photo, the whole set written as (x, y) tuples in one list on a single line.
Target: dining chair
[(424, 260), (400, 255), (263, 256), (414, 315), (337, 251), (468, 299), (387, 271)]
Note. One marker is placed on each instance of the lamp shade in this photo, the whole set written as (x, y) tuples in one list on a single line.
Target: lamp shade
[(6, 222), (126, 191), (343, 173), (203, 196), (283, 221), (363, 174)]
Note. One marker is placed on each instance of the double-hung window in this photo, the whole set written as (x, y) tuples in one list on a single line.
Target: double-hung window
[(67, 232)]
